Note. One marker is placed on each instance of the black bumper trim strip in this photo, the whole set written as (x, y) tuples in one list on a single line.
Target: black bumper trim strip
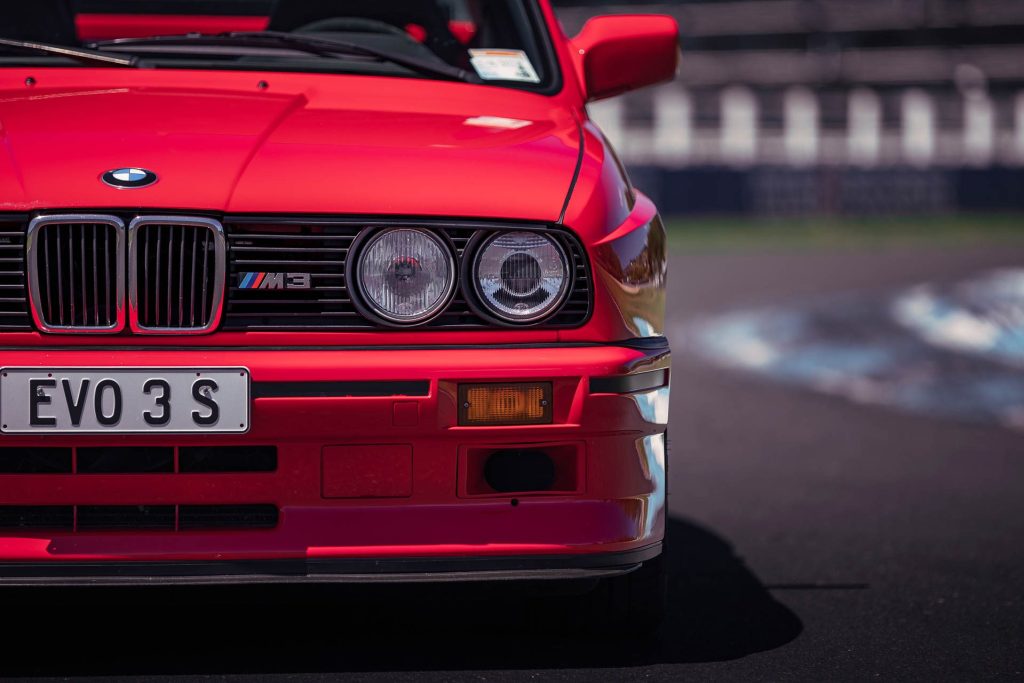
[(650, 344), (628, 384), (340, 389), (361, 570), (653, 345)]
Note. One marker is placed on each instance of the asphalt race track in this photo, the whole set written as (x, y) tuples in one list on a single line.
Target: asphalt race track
[(815, 536)]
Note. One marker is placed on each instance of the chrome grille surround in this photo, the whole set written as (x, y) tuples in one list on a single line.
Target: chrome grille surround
[(205, 272), (40, 245)]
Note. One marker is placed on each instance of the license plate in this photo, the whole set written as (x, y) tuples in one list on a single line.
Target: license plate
[(123, 400)]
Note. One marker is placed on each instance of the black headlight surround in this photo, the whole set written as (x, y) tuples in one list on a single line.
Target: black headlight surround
[(359, 300), (475, 298), (330, 310)]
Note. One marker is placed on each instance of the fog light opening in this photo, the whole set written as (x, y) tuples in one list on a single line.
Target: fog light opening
[(519, 469)]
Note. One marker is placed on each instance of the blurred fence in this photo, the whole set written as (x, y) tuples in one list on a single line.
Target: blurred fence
[(838, 106), (738, 125)]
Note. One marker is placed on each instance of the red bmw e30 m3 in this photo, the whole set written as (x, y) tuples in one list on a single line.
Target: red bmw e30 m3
[(322, 290)]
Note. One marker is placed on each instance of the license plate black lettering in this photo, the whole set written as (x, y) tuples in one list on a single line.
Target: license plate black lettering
[(103, 386), (163, 401), (202, 392), (38, 398), (75, 406)]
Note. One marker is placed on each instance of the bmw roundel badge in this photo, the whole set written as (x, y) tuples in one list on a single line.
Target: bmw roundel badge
[(128, 178)]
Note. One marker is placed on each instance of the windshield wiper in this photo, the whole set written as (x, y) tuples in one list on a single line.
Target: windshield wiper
[(76, 53), (321, 47)]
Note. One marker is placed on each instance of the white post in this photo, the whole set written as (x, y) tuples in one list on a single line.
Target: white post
[(918, 127), (864, 128), (979, 128), (673, 125), (738, 141), (609, 116), (800, 114), (1019, 127)]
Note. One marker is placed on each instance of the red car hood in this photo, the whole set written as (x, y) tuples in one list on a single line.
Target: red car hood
[(305, 144)]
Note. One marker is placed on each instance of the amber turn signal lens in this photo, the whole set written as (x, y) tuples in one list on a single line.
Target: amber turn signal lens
[(523, 403)]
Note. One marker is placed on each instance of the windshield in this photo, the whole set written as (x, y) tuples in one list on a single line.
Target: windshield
[(499, 42)]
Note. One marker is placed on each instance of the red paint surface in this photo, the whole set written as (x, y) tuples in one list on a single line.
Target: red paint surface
[(370, 471), (308, 144)]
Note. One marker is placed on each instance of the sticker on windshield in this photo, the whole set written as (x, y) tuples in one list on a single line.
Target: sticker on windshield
[(503, 65)]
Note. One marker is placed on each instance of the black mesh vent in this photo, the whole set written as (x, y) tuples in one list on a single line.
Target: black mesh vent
[(193, 517), (76, 265), (177, 275), (267, 260), (124, 517), (48, 517), (37, 460), (137, 460), (213, 459), (93, 518), (14, 313), (125, 460)]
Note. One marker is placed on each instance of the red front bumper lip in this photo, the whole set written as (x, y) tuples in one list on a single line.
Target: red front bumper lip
[(470, 528)]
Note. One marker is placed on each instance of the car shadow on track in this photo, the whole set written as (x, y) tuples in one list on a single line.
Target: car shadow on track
[(719, 611)]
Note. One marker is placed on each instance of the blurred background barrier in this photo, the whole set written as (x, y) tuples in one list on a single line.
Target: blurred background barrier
[(843, 107)]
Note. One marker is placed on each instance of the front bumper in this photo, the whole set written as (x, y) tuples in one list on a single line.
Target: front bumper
[(372, 521)]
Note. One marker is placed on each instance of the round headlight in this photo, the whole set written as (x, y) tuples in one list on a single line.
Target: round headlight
[(406, 275), (521, 276)]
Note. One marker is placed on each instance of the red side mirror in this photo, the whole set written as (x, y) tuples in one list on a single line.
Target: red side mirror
[(621, 53)]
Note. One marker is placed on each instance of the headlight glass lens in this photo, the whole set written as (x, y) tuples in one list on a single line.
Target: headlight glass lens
[(406, 275), (521, 276)]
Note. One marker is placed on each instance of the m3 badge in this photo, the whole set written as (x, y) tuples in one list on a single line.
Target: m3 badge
[(274, 281)]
